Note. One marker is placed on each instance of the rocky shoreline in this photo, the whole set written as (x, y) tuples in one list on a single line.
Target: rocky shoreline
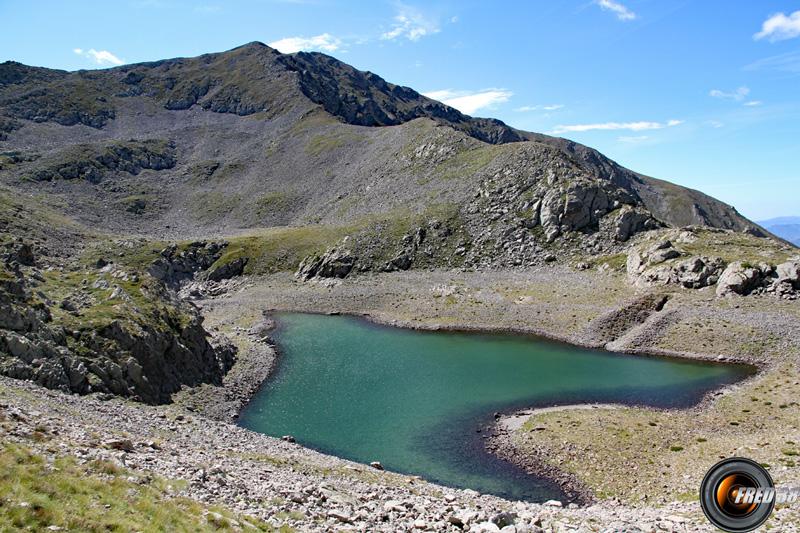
[(282, 483), (255, 362)]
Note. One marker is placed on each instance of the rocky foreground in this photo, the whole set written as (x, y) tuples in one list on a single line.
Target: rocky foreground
[(283, 483)]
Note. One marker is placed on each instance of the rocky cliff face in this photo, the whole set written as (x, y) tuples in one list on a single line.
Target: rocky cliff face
[(109, 332)]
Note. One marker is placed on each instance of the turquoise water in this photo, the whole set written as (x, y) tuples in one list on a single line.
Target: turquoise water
[(414, 400)]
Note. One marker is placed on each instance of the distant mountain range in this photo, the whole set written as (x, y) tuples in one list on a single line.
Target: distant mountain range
[(785, 227)]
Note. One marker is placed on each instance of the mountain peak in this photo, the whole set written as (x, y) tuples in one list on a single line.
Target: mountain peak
[(278, 91), (254, 45)]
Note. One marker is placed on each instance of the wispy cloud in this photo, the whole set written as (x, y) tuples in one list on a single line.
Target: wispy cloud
[(779, 27), (622, 12), (786, 62), (469, 102), (411, 23), (324, 42), (753, 103), (613, 126), (539, 107), (100, 57), (737, 96)]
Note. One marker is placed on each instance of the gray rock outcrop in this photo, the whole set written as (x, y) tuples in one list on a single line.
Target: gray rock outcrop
[(179, 265), (335, 263), (142, 356), (658, 264), (227, 270)]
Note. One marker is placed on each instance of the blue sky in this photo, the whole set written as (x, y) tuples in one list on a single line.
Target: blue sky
[(705, 94)]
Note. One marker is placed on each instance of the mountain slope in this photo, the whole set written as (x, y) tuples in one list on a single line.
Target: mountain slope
[(253, 138)]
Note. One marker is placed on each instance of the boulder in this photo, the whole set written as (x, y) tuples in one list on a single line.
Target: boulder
[(655, 266), (789, 273), (176, 267), (401, 262), (340, 515), (630, 220), (504, 519), (22, 253), (660, 252), (738, 278), (124, 445), (697, 272)]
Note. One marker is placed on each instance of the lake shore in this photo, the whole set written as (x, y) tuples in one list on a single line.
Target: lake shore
[(527, 302)]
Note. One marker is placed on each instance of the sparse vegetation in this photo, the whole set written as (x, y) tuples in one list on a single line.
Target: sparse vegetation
[(277, 249), (274, 202), (331, 140), (36, 494)]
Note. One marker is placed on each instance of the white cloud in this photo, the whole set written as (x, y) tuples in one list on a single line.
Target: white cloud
[(786, 62), (779, 27), (469, 102), (738, 95), (613, 126), (753, 103), (539, 107), (325, 42), (622, 12), (101, 57), (715, 124), (411, 23)]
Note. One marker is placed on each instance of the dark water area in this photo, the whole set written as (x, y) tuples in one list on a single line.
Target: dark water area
[(414, 399)]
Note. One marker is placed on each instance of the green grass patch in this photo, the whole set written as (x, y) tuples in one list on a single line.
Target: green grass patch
[(136, 203), (617, 262), (99, 496), (732, 246), (281, 248), (210, 206)]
